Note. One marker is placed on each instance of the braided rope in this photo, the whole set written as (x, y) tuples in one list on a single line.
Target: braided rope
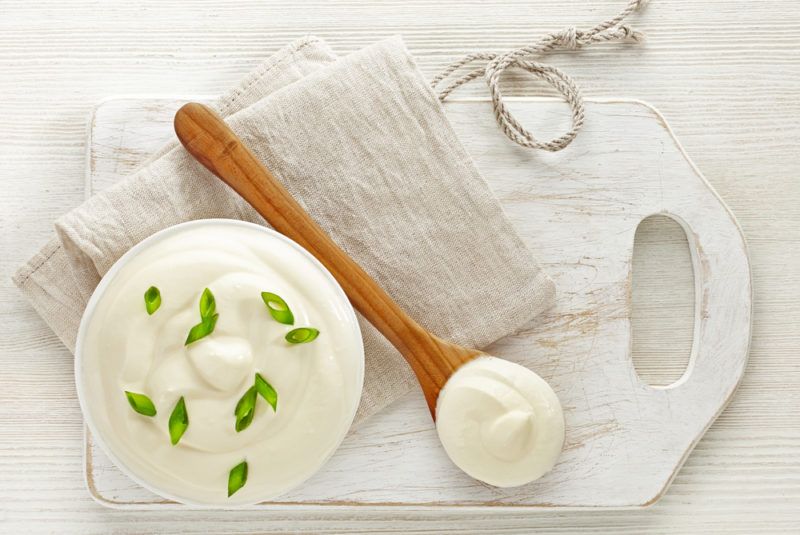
[(611, 30)]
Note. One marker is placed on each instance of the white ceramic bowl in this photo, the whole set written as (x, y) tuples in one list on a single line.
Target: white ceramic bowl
[(94, 415)]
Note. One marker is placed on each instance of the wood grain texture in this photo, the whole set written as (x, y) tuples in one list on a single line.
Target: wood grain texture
[(724, 72)]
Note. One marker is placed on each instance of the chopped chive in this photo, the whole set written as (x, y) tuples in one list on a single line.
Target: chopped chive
[(202, 329), (152, 300), (266, 390), (245, 421), (208, 305), (245, 409), (141, 403), (302, 335), (278, 308), (178, 421), (208, 318), (237, 477)]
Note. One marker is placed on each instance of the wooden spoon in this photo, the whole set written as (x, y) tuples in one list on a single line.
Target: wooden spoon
[(213, 144)]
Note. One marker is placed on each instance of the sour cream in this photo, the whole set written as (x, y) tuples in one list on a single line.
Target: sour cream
[(500, 422), (122, 348)]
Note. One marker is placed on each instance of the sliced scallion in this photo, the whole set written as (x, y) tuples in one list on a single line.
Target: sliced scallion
[(245, 409), (152, 300), (178, 421), (302, 335), (278, 308), (141, 403), (202, 329), (266, 391), (208, 305), (237, 478)]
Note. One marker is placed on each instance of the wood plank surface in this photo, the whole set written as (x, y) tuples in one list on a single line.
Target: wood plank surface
[(724, 72)]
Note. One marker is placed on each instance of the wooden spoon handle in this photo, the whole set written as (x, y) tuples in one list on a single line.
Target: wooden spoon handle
[(213, 144)]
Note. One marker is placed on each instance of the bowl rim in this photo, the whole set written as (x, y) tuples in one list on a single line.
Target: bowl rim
[(106, 281)]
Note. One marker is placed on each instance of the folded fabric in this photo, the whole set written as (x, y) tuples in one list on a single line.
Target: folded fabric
[(363, 143)]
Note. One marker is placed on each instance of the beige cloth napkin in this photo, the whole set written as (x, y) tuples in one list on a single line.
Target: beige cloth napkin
[(365, 146)]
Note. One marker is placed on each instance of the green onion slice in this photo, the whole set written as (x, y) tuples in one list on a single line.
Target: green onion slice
[(245, 409), (237, 478), (178, 421), (278, 308), (208, 305), (141, 403), (202, 329), (267, 392), (302, 335), (152, 300)]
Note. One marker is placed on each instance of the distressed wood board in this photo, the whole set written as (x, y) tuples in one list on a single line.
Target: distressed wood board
[(578, 211)]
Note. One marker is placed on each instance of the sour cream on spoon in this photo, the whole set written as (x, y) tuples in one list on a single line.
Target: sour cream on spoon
[(123, 348), (500, 422)]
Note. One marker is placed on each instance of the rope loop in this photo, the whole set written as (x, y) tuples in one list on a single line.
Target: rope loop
[(570, 38)]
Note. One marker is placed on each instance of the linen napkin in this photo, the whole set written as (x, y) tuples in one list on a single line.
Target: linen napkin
[(364, 145)]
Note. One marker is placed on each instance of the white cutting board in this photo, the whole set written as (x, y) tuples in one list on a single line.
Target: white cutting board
[(578, 211)]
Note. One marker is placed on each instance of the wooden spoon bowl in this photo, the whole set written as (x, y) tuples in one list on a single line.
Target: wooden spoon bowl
[(213, 144)]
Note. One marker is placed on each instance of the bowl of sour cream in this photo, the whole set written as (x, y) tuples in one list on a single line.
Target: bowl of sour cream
[(219, 364)]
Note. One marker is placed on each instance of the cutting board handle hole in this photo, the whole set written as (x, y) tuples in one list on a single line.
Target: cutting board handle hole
[(662, 301)]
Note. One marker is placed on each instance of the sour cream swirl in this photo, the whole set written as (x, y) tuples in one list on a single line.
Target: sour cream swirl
[(122, 348), (500, 422)]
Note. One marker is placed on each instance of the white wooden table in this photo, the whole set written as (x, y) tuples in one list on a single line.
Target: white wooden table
[(726, 73)]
